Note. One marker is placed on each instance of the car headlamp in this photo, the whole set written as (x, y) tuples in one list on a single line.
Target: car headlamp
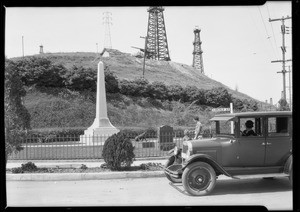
[(187, 149), (175, 150)]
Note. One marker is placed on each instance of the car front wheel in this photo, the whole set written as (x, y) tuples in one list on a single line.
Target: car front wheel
[(199, 179)]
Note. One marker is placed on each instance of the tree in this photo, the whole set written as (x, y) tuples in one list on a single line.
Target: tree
[(127, 87), (141, 87), (175, 92), (40, 72), (218, 97), (17, 118), (79, 78), (111, 82), (158, 90)]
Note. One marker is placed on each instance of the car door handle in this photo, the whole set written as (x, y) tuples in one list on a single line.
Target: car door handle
[(269, 143), (263, 144)]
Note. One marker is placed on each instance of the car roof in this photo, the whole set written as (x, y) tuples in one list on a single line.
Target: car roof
[(253, 114)]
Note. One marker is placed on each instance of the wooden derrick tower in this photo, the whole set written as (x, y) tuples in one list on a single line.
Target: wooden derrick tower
[(197, 53), (156, 40)]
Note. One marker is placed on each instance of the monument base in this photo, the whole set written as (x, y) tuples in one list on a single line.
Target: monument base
[(97, 135)]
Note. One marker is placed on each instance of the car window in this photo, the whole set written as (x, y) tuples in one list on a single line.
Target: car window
[(278, 126), (223, 127), (255, 130)]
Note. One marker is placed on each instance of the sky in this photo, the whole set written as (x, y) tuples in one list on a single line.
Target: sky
[(238, 42)]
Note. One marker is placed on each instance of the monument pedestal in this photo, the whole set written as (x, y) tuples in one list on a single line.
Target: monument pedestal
[(98, 132)]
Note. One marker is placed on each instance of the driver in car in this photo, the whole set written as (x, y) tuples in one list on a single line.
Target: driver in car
[(248, 131)]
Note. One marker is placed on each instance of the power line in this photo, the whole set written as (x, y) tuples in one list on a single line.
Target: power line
[(272, 29), (261, 36), (262, 19)]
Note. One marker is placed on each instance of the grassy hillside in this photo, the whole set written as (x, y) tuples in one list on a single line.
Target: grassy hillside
[(61, 108), (129, 67)]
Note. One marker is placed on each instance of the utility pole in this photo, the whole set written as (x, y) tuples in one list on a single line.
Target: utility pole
[(145, 52), (23, 45), (283, 49), (290, 88)]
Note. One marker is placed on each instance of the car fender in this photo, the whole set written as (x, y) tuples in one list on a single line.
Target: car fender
[(208, 159), (288, 164)]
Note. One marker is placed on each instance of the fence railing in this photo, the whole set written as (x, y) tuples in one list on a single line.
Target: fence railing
[(90, 147)]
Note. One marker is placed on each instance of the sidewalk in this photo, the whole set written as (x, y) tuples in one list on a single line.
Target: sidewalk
[(81, 176)]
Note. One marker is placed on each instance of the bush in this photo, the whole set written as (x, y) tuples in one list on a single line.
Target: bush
[(17, 170), (118, 151), (83, 167), (41, 72), (54, 135), (29, 167)]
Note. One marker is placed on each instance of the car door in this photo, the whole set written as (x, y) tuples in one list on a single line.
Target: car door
[(278, 140), (251, 149)]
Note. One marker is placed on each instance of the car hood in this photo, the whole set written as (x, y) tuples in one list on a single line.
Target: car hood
[(207, 143)]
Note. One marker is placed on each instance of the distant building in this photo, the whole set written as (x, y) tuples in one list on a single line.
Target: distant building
[(105, 53)]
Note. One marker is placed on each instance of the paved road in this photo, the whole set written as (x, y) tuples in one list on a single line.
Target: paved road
[(274, 194)]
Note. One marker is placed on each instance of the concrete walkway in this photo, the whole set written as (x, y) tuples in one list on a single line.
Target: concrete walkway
[(83, 175)]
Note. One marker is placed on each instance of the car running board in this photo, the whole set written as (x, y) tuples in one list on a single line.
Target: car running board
[(254, 176)]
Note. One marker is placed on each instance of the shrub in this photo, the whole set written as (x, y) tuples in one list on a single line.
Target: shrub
[(83, 166), (30, 167), (53, 135), (41, 72), (118, 151), (17, 170)]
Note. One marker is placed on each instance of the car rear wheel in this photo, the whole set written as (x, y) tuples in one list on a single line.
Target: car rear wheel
[(170, 162), (199, 179)]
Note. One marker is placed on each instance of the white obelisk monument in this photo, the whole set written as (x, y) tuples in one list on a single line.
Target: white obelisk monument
[(101, 129)]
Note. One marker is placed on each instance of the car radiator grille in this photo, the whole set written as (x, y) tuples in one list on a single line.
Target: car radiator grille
[(184, 149)]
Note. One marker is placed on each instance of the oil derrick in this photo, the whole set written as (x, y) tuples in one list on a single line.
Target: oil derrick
[(197, 53), (156, 40)]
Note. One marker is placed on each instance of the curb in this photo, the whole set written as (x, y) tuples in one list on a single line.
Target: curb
[(83, 176)]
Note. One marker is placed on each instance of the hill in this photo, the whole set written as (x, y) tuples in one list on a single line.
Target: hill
[(126, 66), (60, 107)]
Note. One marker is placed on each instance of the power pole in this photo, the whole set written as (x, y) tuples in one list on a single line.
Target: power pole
[(23, 46), (145, 52), (283, 49), (290, 88)]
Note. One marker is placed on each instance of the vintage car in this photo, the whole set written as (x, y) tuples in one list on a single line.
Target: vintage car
[(265, 154)]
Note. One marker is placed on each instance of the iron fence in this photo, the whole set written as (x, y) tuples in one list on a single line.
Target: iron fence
[(90, 147)]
